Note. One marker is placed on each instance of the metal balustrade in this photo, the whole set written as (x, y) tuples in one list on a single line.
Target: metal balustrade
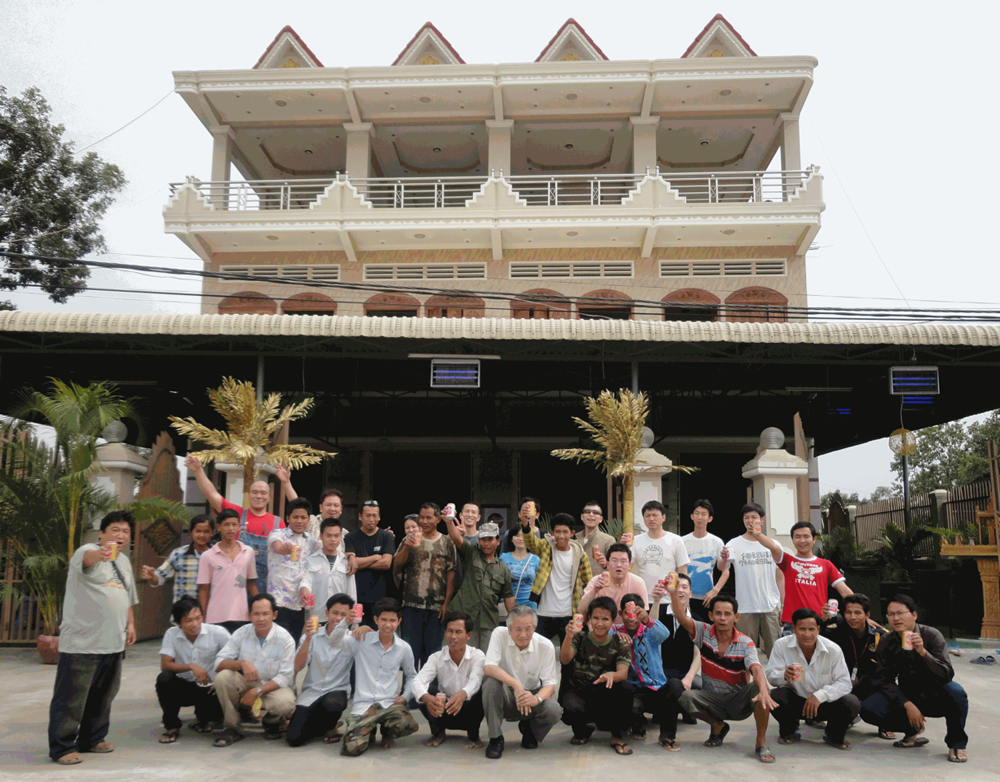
[(714, 187)]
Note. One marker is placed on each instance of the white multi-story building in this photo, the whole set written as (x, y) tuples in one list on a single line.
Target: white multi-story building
[(572, 186)]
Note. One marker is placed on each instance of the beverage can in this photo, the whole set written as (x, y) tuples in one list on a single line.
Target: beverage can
[(597, 550), (113, 549), (670, 582), (309, 601), (531, 509), (605, 579), (724, 555), (313, 624), (907, 642), (757, 526), (578, 622), (627, 538), (296, 553), (359, 612), (630, 611), (833, 605), (449, 510), (796, 672), (417, 538), (442, 698)]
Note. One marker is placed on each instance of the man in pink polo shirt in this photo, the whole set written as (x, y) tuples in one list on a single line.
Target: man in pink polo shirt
[(226, 576), (255, 522), (615, 582)]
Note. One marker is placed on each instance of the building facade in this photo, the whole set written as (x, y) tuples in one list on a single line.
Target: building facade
[(571, 187)]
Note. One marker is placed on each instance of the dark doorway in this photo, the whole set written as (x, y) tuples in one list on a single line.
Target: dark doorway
[(720, 481), (403, 480), (561, 486)]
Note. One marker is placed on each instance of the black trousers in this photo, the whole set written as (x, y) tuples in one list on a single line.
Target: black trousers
[(173, 692), (80, 712), (838, 714), (317, 719), (294, 621), (605, 709), (549, 626), (232, 626), (661, 703), (468, 719), (949, 701)]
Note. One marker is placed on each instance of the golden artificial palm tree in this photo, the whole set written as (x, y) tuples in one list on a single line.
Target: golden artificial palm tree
[(252, 426), (616, 425)]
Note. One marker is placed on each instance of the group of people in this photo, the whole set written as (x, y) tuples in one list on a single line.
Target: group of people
[(603, 634)]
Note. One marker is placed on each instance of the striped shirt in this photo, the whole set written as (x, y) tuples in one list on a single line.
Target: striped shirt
[(729, 672), (182, 564), (274, 659)]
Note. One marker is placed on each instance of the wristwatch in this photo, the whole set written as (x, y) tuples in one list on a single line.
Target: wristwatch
[(260, 692)]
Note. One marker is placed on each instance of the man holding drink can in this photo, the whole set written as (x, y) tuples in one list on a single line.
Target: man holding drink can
[(593, 541), (289, 550)]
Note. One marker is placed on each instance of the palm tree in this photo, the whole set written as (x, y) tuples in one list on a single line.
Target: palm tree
[(250, 433), (616, 426), (46, 495)]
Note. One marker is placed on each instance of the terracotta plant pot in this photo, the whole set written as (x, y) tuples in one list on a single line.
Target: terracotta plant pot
[(48, 649)]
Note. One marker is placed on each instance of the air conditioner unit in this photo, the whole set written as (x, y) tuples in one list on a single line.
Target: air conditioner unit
[(454, 373), (908, 381)]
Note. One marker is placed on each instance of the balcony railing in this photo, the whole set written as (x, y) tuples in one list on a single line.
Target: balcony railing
[(725, 187)]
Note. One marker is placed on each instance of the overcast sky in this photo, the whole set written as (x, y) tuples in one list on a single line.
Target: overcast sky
[(900, 95)]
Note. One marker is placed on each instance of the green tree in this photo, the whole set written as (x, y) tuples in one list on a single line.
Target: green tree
[(51, 202), (948, 455)]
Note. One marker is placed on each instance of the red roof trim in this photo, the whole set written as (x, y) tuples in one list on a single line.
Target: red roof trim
[(703, 33), (413, 40), (570, 21), (287, 29)]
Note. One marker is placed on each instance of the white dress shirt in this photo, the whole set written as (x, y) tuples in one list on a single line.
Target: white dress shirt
[(467, 675), (274, 659), (324, 580), (328, 668), (211, 640), (376, 669), (825, 676), (535, 667)]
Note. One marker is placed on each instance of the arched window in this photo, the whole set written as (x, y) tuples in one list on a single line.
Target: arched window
[(757, 305), (392, 305), (309, 304), (540, 303), (455, 307), (248, 303), (615, 305), (691, 304)]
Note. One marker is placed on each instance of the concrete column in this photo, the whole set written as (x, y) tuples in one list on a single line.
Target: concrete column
[(650, 467), (938, 499), (499, 151), (643, 143), (222, 152), (359, 149), (791, 151), (774, 473)]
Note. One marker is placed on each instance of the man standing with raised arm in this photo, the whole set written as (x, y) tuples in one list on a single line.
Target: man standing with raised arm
[(369, 552), (594, 542), (486, 581)]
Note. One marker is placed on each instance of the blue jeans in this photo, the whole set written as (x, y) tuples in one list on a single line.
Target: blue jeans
[(259, 545), (949, 701), (421, 629), (80, 712)]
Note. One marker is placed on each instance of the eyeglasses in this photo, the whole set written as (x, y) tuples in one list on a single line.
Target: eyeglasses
[(896, 614), (370, 503), (591, 513)]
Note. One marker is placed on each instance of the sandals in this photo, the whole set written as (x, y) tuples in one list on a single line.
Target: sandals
[(814, 723), (227, 739), (101, 748), (845, 746), (957, 756), (639, 734), (715, 739), (578, 741), (670, 745), (332, 737), (764, 755), (790, 739), (200, 727), (621, 748), (170, 736), (886, 734), (987, 660), (910, 742), (73, 758)]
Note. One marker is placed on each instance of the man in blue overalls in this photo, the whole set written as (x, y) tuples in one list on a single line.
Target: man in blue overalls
[(255, 522)]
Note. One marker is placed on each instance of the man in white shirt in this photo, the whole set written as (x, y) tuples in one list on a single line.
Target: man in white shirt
[(258, 664), (521, 676), (289, 549), (811, 681), (657, 551), (187, 669), (458, 670), (757, 582), (379, 657), (704, 550), (327, 572), (327, 684)]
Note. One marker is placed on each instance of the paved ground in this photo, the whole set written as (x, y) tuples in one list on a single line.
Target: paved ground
[(27, 687)]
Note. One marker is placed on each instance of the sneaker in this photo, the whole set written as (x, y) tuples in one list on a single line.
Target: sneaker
[(495, 749)]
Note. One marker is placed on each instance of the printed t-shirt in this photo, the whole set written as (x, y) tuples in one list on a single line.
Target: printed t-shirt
[(807, 583)]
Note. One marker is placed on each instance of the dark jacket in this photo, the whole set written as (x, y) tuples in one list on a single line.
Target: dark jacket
[(903, 671), (859, 653)]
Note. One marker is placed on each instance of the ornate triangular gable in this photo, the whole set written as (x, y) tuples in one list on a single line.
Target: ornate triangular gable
[(429, 47), (719, 39), (571, 43), (287, 50)]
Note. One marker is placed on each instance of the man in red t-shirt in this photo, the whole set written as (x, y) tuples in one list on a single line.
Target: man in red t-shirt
[(255, 522), (808, 578)]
